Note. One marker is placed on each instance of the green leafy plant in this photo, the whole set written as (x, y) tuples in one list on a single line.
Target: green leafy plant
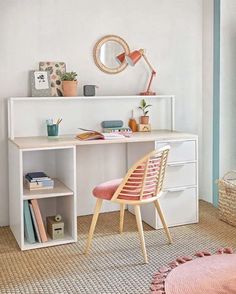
[(144, 106), (69, 76)]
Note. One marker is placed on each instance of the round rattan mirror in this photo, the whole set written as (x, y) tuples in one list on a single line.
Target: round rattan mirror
[(106, 51)]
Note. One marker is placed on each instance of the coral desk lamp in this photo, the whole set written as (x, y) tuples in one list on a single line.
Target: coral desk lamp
[(132, 58)]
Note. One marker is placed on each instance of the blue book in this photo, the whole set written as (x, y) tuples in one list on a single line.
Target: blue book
[(36, 176), (28, 223)]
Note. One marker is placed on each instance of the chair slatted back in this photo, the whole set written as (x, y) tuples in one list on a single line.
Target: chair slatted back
[(145, 178)]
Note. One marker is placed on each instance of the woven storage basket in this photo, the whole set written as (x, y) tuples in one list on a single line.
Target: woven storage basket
[(227, 198)]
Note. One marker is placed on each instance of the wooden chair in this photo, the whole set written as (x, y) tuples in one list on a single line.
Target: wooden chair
[(142, 184)]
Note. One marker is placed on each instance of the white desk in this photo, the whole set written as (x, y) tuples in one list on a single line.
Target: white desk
[(71, 161)]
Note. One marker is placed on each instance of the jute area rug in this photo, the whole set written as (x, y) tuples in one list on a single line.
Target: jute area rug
[(115, 263)]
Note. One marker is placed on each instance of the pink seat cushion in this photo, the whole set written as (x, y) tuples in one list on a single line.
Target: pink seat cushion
[(106, 190)]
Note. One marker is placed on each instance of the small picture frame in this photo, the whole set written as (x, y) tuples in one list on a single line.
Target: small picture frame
[(40, 83), (56, 69)]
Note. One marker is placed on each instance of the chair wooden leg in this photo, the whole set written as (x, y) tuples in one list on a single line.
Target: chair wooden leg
[(93, 224), (158, 208), (140, 229), (122, 213)]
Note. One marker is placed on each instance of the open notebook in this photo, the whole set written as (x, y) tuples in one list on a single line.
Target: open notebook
[(94, 135)]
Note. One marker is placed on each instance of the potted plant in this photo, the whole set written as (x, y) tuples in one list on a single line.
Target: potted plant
[(69, 83), (144, 119)]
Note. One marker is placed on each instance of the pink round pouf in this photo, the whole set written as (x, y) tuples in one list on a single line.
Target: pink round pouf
[(212, 274)]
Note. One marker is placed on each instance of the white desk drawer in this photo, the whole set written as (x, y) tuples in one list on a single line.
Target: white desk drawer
[(180, 150), (180, 175), (179, 207)]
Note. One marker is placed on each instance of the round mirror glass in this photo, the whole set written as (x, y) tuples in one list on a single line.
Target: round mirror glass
[(106, 51)]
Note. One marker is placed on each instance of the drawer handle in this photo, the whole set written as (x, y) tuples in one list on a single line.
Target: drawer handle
[(175, 164), (175, 190)]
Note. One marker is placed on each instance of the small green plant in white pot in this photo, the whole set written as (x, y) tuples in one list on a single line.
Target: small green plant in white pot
[(69, 83), (144, 119)]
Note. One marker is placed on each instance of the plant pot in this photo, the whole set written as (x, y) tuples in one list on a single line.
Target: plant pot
[(144, 120), (69, 88)]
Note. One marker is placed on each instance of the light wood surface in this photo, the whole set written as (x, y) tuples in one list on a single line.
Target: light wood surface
[(70, 140), (161, 215), (93, 224), (140, 230), (122, 214)]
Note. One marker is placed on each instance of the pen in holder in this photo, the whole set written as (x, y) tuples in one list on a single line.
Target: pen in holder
[(53, 128)]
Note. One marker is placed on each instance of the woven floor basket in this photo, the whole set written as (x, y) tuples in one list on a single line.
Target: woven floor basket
[(227, 198)]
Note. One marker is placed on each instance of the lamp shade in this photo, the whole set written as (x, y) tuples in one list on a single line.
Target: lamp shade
[(134, 57), (120, 58)]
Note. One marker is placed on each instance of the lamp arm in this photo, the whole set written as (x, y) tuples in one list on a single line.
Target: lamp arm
[(150, 81), (152, 75), (149, 64)]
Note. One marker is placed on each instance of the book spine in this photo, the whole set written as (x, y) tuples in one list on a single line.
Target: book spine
[(28, 224), (39, 220), (35, 223)]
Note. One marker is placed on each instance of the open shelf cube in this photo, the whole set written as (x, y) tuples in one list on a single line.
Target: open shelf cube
[(58, 163), (51, 206)]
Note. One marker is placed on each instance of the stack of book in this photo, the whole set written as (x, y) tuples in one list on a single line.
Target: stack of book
[(34, 229), (38, 181), (122, 131)]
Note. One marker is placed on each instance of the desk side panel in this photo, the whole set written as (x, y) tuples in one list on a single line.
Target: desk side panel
[(15, 193)]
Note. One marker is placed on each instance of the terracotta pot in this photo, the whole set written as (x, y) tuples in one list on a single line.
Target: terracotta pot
[(144, 120), (69, 88)]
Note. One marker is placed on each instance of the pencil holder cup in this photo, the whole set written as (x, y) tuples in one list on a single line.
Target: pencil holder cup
[(52, 130)]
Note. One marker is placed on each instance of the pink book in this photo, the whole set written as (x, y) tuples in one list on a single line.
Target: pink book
[(39, 220)]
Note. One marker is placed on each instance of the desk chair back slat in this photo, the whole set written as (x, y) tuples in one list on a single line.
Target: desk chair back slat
[(145, 178)]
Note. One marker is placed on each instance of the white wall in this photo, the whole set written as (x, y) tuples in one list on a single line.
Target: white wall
[(228, 87), (207, 101), (170, 31)]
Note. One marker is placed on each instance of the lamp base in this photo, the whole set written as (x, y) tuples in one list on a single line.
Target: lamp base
[(147, 93)]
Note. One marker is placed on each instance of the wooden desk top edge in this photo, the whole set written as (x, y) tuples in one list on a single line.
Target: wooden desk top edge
[(70, 140)]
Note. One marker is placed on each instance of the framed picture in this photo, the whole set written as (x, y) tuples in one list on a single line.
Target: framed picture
[(40, 83), (56, 69)]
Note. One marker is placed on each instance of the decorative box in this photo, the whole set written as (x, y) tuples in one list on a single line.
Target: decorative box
[(144, 128), (55, 229)]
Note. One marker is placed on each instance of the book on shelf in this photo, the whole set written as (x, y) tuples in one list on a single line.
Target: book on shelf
[(123, 131), (39, 185), (36, 176), (39, 220), (38, 181), (28, 224), (35, 225)]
